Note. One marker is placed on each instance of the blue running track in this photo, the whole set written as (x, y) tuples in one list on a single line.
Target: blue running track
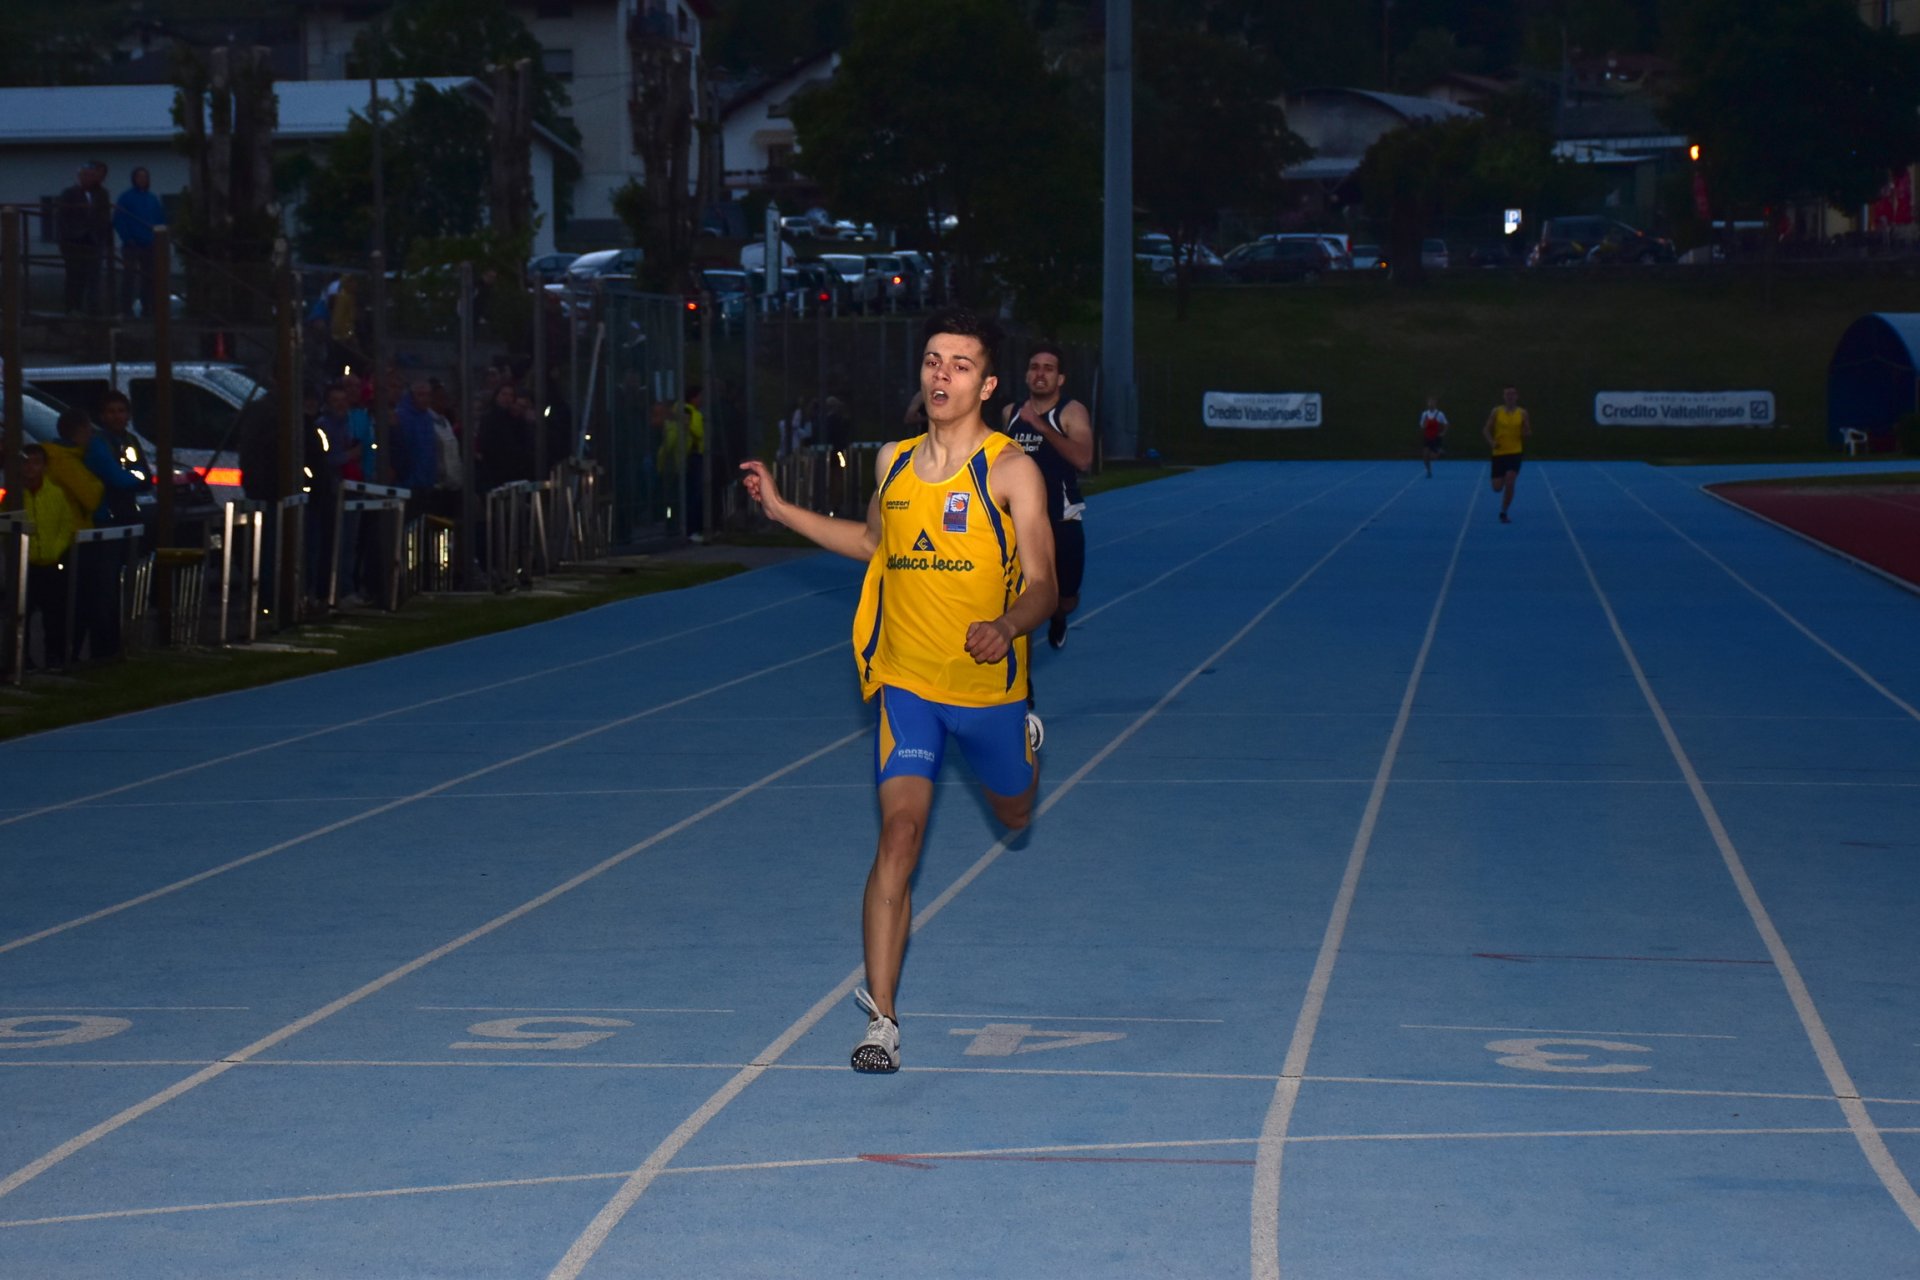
[(1411, 896)]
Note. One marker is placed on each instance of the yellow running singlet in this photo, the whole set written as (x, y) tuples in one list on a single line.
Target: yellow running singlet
[(947, 558), (1506, 430)]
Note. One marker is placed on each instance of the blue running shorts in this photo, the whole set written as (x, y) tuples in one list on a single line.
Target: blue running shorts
[(911, 737)]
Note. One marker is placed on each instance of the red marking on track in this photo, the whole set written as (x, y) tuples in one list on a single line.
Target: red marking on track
[(1526, 958), (925, 1162)]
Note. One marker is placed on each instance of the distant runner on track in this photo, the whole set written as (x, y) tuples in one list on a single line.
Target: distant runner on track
[(1507, 429), (1057, 433), (1433, 434)]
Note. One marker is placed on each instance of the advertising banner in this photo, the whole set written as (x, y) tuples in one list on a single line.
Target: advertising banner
[(1263, 411), (1684, 409)]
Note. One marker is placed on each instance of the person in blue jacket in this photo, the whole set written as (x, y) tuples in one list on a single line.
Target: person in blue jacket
[(135, 214)]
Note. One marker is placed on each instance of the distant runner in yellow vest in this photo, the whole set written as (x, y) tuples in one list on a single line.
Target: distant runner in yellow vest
[(959, 559), (1507, 429)]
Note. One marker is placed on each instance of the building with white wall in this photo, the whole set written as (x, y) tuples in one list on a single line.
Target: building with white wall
[(588, 44), (47, 133)]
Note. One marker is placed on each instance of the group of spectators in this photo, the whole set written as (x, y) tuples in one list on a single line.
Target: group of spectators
[(74, 483), (87, 221), (426, 453)]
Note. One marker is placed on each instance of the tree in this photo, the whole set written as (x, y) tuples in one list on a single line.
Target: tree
[(951, 109), (434, 149), (1208, 135), (1792, 98), (468, 38), (1417, 175)]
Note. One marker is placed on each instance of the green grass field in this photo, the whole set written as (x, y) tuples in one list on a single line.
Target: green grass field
[(1374, 351)]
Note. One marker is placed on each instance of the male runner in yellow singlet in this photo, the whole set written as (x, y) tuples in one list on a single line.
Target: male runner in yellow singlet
[(959, 561), (1507, 429)]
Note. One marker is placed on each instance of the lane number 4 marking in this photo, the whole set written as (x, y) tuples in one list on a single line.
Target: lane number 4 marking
[(538, 1033), (1004, 1039)]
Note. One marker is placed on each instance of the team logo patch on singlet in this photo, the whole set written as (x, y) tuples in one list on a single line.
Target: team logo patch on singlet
[(923, 542), (954, 518)]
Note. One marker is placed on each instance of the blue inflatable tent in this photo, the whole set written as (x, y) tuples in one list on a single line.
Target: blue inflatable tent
[(1874, 379)]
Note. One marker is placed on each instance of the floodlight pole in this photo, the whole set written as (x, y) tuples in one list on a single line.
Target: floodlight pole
[(1117, 393)]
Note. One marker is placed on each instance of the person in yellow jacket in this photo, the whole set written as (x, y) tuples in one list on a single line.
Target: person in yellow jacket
[(49, 571), (1506, 432), (959, 560), (67, 467), (683, 445)]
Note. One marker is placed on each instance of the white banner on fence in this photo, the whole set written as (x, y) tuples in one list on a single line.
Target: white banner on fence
[(1684, 409), (1267, 411)]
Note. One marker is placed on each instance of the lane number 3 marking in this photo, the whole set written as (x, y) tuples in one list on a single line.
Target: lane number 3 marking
[(537, 1033)]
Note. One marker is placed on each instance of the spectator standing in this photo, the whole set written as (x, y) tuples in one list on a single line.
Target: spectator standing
[(417, 466), (503, 451), (85, 226), (107, 453), (95, 581), (335, 427), (135, 214), (46, 504), (683, 451)]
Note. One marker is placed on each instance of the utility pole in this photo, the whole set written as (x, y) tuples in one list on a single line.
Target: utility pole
[(378, 258), (1116, 307)]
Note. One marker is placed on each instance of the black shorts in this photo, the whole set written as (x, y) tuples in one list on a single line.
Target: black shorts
[(1069, 555), (1435, 445), (1506, 464)]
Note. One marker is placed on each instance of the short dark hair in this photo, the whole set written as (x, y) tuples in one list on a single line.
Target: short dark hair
[(111, 397), (71, 421), (693, 391), (968, 324), (1049, 349), (33, 451)]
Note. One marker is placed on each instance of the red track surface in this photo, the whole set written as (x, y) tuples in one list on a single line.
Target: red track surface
[(1877, 524)]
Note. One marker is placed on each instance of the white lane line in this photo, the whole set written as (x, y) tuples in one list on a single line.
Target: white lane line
[(1841, 658), (1060, 1017), (376, 811), (1809, 539), (183, 770), (1264, 1217), (1266, 1077), (28, 1172), (124, 1008), (1064, 1151), (1838, 1078), (555, 1008), (1552, 1031), (1230, 1077), (596, 1232), (1089, 614)]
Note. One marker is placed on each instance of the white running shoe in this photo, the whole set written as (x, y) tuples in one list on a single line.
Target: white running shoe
[(879, 1050), (1036, 732)]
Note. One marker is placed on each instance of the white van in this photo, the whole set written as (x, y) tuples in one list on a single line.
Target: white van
[(207, 399)]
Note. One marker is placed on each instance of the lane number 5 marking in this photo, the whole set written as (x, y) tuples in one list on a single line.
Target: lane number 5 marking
[(1534, 1055)]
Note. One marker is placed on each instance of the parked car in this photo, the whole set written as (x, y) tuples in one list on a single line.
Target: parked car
[(604, 264), (863, 283), (728, 286), (1369, 257), (207, 399), (40, 424), (920, 269), (895, 289), (1567, 241), (1434, 255), (1154, 252), (1268, 261), (549, 268), (1338, 255), (819, 286)]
